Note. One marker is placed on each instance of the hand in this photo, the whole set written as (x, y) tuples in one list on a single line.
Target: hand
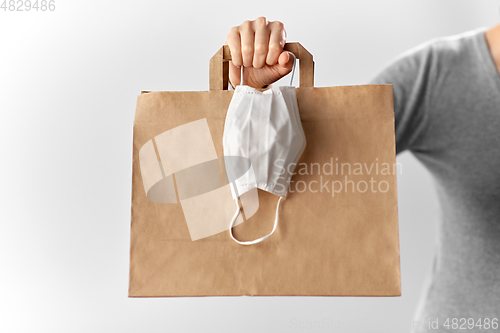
[(258, 46)]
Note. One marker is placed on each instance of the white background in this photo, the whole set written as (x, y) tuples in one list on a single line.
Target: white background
[(68, 86)]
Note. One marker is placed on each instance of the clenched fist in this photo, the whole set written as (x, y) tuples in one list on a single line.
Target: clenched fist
[(258, 46)]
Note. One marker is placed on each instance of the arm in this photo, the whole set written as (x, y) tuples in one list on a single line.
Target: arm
[(412, 75)]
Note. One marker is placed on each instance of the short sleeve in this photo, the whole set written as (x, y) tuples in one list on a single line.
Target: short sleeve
[(411, 75)]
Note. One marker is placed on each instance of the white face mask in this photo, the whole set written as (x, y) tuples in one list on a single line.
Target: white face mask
[(265, 128)]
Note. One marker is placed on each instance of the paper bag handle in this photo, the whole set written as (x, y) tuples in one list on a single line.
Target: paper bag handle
[(219, 66)]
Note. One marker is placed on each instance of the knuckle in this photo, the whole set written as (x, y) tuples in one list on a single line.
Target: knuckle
[(261, 21), (235, 52), (232, 34), (283, 35), (277, 25), (246, 24), (275, 47), (246, 50), (261, 49)]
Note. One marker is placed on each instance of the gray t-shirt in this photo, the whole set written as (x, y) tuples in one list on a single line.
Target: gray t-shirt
[(447, 112)]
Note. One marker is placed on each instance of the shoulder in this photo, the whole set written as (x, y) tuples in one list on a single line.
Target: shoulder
[(435, 56), (418, 77)]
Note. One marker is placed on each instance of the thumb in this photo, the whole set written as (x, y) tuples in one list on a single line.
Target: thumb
[(285, 63)]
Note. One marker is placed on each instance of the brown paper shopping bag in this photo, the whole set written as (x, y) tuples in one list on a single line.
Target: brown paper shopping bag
[(338, 229)]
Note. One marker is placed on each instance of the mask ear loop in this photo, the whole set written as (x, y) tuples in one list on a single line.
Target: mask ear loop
[(293, 70), (258, 240), (241, 75)]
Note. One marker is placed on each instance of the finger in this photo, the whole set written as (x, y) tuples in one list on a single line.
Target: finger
[(285, 63), (277, 40), (234, 43), (247, 43), (261, 42), (234, 74)]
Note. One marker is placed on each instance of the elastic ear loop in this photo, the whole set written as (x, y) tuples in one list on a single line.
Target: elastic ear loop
[(241, 75), (258, 240), (293, 70)]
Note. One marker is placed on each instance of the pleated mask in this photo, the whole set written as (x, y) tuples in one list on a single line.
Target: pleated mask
[(265, 128)]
